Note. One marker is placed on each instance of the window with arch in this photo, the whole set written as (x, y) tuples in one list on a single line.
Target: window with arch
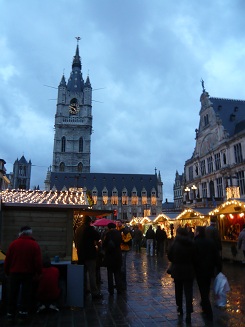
[(124, 197), (80, 145), (114, 197), (105, 195), (144, 196), (153, 197), (95, 195), (134, 197), (62, 166), (80, 167), (63, 144)]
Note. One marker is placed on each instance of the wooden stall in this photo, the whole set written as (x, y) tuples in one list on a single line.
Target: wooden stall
[(231, 218), (52, 215), (192, 218)]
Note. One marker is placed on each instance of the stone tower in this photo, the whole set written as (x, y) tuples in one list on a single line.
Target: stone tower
[(21, 174), (73, 122)]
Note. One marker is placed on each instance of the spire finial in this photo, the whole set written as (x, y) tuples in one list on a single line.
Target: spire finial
[(203, 88), (78, 38)]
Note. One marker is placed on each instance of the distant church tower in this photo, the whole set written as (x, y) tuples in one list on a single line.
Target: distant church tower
[(73, 122), (21, 174)]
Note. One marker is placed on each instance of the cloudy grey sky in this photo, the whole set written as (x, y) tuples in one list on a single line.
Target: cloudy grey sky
[(146, 58)]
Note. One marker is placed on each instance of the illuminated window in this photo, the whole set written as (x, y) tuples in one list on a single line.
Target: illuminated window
[(95, 195), (153, 197), (134, 197), (105, 195), (144, 196), (124, 197), (114, 197)]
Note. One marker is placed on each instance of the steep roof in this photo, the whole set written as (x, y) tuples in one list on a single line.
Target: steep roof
[(100, 180), (231, 112)]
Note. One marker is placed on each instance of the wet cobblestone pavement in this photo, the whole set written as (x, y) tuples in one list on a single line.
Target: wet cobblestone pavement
[(149, 301)]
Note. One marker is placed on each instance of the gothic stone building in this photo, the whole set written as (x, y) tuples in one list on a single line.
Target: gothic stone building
[(217, 163), (128, 194)]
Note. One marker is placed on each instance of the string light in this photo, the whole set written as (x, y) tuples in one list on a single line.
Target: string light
[(44, 197)]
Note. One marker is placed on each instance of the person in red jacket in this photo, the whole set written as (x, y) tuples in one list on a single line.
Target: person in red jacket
[(23, 262), (48, 290)]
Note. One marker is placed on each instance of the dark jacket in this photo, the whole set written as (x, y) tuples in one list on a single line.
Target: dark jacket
[(150, 234), (213, 234), (85, 240), (207, 257), (23, 256), (182, 256), (112, 247), (161, 235)]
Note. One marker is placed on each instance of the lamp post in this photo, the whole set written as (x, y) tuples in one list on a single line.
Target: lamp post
[(187, 190)]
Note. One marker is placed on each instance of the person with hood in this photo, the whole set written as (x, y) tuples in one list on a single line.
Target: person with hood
[(182, 255), (22, 264), (113, 257)]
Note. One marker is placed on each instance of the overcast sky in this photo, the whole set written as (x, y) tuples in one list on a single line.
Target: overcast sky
[(146, 60)]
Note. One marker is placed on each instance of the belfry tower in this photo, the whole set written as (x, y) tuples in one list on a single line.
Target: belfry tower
[(73, 122)]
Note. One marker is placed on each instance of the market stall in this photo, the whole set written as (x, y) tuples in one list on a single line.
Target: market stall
[(191, 218), (231, 218)]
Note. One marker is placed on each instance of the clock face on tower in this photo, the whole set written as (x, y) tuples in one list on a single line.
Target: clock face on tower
[(74, 108)]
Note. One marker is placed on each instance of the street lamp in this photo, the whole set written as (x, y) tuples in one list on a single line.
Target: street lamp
[(187, 190)]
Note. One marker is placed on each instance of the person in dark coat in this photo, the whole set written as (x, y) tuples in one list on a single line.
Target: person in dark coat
[(207, 259), (113, 257), (212, 232), (182, 256), (161, 237), (138, 235), (86, 238), (23, 262), (150, 239)]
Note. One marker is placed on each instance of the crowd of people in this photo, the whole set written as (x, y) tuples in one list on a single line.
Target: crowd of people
[(193, 255)]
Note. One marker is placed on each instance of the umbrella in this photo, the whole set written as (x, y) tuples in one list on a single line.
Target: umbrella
[(102, 222)]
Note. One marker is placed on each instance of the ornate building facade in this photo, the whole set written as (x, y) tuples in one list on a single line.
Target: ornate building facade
[(129, 195), (217, 165)]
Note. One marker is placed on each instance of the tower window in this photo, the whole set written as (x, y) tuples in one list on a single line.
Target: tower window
[(80, 145), (62, 166), (80, 167), (63, 144)]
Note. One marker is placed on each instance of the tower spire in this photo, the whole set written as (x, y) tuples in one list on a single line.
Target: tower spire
[(76, 59)]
